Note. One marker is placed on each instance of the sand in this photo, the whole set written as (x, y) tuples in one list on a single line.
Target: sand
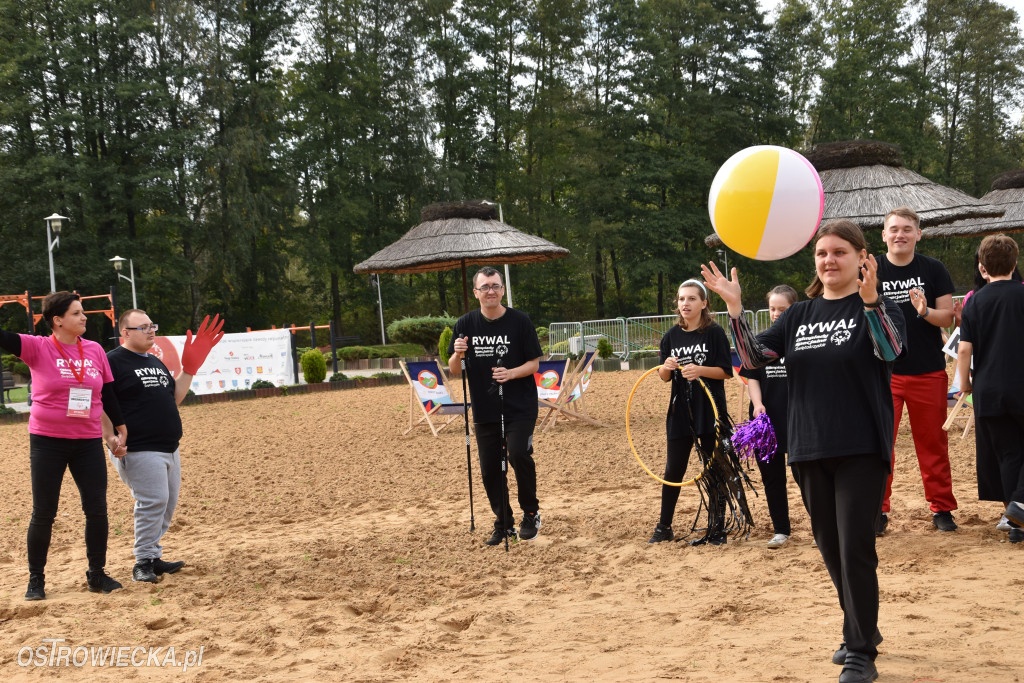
[(321, 544)]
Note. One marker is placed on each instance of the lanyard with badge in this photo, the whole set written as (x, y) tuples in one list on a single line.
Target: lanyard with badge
[(79, 398)]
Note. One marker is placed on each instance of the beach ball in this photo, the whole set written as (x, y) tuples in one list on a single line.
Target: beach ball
[(766, 202)]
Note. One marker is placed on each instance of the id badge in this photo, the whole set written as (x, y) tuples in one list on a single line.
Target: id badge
[(80, 402)]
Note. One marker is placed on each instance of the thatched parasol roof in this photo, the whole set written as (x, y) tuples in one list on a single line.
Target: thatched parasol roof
[(1007, 193), (865, 179), (454, 234)]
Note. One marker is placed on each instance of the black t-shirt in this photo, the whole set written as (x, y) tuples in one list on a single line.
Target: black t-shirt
[(145, 390), (511, 338), (709, 348), (840, 401), (774, 396), (994, 324), (924, 340)]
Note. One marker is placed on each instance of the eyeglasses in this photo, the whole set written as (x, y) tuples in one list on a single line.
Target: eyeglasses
[(490, 288), (145, 329)]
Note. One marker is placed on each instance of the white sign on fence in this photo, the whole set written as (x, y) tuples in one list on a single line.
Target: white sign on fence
[(236, 362)]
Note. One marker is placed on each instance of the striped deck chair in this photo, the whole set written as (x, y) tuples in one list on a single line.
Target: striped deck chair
[(561, 386), (429, 397)]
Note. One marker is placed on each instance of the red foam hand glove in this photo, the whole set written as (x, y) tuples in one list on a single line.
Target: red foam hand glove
[(196, 350)]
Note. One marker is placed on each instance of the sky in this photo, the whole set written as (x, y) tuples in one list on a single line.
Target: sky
[(1017, 5)]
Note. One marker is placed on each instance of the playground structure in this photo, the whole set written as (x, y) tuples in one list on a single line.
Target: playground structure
[(335, 340), (32, 318)]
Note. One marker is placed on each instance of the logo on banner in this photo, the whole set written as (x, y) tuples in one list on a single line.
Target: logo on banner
[(221, 383), (549, 379), (238, 371), (259, 369), (427, 379), (248, 370), (234, 382)]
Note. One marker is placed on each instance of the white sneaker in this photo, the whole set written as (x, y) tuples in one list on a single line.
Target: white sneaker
[(778, 540), (1004, 524)]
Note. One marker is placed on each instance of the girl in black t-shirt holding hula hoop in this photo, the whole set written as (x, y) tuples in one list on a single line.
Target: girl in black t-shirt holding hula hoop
[(694, 348), (839, 348)]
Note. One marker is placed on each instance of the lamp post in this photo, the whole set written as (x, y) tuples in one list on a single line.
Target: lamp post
[(380, 308), (53, 223), (725, 255), (118, 264)]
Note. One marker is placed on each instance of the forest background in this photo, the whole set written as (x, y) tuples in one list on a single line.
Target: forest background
[(246, 154)]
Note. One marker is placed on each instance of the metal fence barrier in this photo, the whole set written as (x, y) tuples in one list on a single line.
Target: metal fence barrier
[(628, 336)]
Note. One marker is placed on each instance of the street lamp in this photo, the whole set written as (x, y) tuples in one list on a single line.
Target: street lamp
[(53, 223), (118, 263), (725, 255)]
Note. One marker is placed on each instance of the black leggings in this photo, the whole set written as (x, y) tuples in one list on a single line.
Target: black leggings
[(773, 477), (50, 457), (519, 437), (675, 468)]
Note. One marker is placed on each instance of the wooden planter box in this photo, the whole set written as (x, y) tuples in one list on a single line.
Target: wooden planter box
[(267, 391), (389, 363), (364, 363)]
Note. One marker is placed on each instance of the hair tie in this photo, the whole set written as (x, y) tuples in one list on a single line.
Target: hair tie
[(687, 283)]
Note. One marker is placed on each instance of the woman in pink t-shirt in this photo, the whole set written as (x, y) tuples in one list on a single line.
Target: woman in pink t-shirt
[(71, 389)]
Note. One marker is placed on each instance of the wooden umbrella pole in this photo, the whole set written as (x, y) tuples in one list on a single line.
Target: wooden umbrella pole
[(465, 289)]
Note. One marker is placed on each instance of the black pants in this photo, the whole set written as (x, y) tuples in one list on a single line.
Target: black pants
[(675, 467), (1004, 437), (49, 458), (774, 477), (844, 496), (519, 437)]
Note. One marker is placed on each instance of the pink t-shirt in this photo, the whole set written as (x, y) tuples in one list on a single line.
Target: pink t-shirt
[(52, 379)]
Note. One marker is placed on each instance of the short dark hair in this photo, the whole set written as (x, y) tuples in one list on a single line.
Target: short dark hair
[(56, 304), (123, 320), (487, 271), (998, 255), (783, 290)]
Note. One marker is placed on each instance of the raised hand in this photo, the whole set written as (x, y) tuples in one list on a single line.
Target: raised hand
[(196, 350), (868, 280), (728, 289)]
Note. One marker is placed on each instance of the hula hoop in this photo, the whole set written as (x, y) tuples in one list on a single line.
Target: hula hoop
[(629, 435)]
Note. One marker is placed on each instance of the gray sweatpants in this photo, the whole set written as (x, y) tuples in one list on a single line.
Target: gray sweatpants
[(154, 479)]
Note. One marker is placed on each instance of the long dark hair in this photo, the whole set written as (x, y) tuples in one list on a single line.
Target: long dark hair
[(843, 229)]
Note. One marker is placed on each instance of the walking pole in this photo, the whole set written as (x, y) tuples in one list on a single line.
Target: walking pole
[(504, 456), (469, 460)]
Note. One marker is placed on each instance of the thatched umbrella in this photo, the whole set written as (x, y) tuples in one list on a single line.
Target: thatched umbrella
[(454, 234), (1007, 193), (865, 179)]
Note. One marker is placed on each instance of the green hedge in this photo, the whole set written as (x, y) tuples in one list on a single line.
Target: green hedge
[(425, 330)]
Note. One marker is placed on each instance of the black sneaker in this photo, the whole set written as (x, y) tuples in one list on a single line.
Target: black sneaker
[(99, 582), (943, 521), (1016, 536), (529, 526), (839, 657), (161, 567), (143, 571), (883, 522), (498, 537), (36, 590), (662, 533), (858, 668)]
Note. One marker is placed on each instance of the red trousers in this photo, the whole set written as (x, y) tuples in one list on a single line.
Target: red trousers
[(925, 397)]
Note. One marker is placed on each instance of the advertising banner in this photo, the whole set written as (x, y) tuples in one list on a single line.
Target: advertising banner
[(236, 362)]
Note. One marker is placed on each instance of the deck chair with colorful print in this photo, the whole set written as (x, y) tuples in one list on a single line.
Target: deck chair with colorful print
[(561, 389), (428, 391)]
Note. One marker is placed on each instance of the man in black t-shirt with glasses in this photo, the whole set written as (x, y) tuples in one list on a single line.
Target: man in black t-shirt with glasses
[(924, 291), (149, 396), (500, 347)]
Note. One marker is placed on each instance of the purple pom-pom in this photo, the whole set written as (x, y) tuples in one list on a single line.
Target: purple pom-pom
[(755, 439)]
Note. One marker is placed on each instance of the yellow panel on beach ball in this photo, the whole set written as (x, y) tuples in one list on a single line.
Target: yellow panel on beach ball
[(744, 200)]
